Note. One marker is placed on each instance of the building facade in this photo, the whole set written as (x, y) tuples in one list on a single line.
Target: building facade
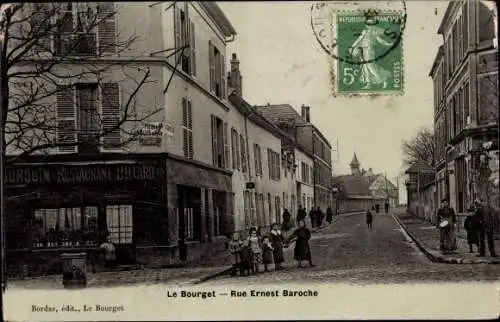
[(304, 179), (465, 76), (312, 140), (161, 198)]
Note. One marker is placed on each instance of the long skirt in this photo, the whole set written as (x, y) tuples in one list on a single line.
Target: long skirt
[(301, 251), (447, 238)]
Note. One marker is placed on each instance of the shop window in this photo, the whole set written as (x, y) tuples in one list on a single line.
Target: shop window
[(119, 224), (65, 227), (189, 223)]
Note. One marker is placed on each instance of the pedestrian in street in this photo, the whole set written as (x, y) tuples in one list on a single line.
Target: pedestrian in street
[(301, 214), (377, 208), (287, 221), (369, 218), (320, 216), (267, 253), (234, 247), (277, 241), (313, 217), (446, 219), (329, 215), (386, 207), (470, 227), (487, 222), (302, 250), (255, 245)]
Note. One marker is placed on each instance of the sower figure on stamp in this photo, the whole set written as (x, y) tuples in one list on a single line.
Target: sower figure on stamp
[(487, 222), (363, 48), (446, 219)]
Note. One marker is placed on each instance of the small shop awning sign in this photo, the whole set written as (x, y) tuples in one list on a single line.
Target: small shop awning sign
[(151, 133), (90, 173)]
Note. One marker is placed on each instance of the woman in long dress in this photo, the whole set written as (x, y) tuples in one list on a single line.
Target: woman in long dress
[(277, 241), (302, 251)]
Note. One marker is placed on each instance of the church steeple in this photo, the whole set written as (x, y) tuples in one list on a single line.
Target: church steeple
[(355, 165)]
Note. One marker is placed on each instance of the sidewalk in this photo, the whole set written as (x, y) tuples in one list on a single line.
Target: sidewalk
[(426, 237)]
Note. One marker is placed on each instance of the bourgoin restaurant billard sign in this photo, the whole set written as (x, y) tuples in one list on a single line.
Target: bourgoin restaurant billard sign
[(88, 173)]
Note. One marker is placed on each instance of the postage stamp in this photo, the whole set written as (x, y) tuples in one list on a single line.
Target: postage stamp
[(364, 45), (371, 48)]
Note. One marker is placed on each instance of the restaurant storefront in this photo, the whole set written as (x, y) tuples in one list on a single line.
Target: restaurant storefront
[(66, 204)]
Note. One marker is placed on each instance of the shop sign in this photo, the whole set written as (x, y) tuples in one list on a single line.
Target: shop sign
[(150, 134), (90, 173)]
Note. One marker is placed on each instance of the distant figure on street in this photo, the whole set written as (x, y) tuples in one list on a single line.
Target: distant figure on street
[(302, 251), (471, 228), (446, 219), (287, 220), (301, 214), (329, 215), (313, 216), (377, 208), (386, 207), (487, 222), (277, 241), (369, 218), (319, 217)]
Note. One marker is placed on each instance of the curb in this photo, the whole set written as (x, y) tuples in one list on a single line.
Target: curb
[(440, 258)]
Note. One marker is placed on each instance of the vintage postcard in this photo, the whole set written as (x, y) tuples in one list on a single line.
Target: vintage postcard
[(227, 161)]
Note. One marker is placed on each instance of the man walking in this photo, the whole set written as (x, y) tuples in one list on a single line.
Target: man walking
[(487, 221), (301, 214), (313, 216), (386, 207), (446, 220)]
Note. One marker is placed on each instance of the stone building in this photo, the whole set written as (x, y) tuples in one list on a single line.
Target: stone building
[(161, 199), (312, 140), (465, 76)]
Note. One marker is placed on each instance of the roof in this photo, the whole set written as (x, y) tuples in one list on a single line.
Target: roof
[(420, 167), (285, 113), (446, 17), (353, 185), (437, 60), (354, 160), (216, 13)]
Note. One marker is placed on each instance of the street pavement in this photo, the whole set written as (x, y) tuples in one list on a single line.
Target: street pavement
[(348, 252), (345, 252)]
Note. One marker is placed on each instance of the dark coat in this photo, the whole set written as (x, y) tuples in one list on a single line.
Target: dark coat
[(486, 219), (267, 254), (302, 251), (329, 215), (446, 213), (471, 227), (369, 217), (277, 242), (301, 214)]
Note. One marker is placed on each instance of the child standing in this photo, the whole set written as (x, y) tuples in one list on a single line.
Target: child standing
[(254, 244), (234, 247), (267, 253)]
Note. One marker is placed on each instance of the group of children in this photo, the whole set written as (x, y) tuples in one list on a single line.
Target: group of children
[(248, 255)]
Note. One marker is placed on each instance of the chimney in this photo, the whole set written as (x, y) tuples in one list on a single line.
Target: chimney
[(305, 113), (234, 76)]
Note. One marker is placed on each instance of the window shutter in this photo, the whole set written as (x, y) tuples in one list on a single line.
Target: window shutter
[(211, 64), (177, 32), (185, 132), (243, 154), (110, 100), (107, 27), (214, 140), (255, 159), (223, 77), (190, 127), (237, 141), (233, 148), (193, 49), (269, 165), (226, 147), (66, 119)]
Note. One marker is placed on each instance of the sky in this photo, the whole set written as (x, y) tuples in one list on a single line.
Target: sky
[(281, 62)]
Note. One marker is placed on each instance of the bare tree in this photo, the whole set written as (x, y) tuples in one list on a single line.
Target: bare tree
[(420, 148), (47, 49)]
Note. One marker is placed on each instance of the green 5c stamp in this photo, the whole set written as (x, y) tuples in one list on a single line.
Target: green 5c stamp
[(370, 53)]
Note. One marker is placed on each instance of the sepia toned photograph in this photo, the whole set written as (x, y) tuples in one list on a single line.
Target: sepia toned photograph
[(249, 160)]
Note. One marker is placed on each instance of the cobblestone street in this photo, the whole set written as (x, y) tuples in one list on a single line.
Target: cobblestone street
[(348, 252)]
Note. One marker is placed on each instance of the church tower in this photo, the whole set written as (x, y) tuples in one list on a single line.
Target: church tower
[(355, 165)]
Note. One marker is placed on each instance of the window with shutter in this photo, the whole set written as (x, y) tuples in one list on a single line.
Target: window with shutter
[(187, 128), (190, 126), (214, 140), (226, 147), (233, 147), (110, 100), (243, 154), (255, 156), (211, 65), (269, 164), (222, 76), (88, 118), (177, 32), (192, 51), (66, 119), (107, 27)]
